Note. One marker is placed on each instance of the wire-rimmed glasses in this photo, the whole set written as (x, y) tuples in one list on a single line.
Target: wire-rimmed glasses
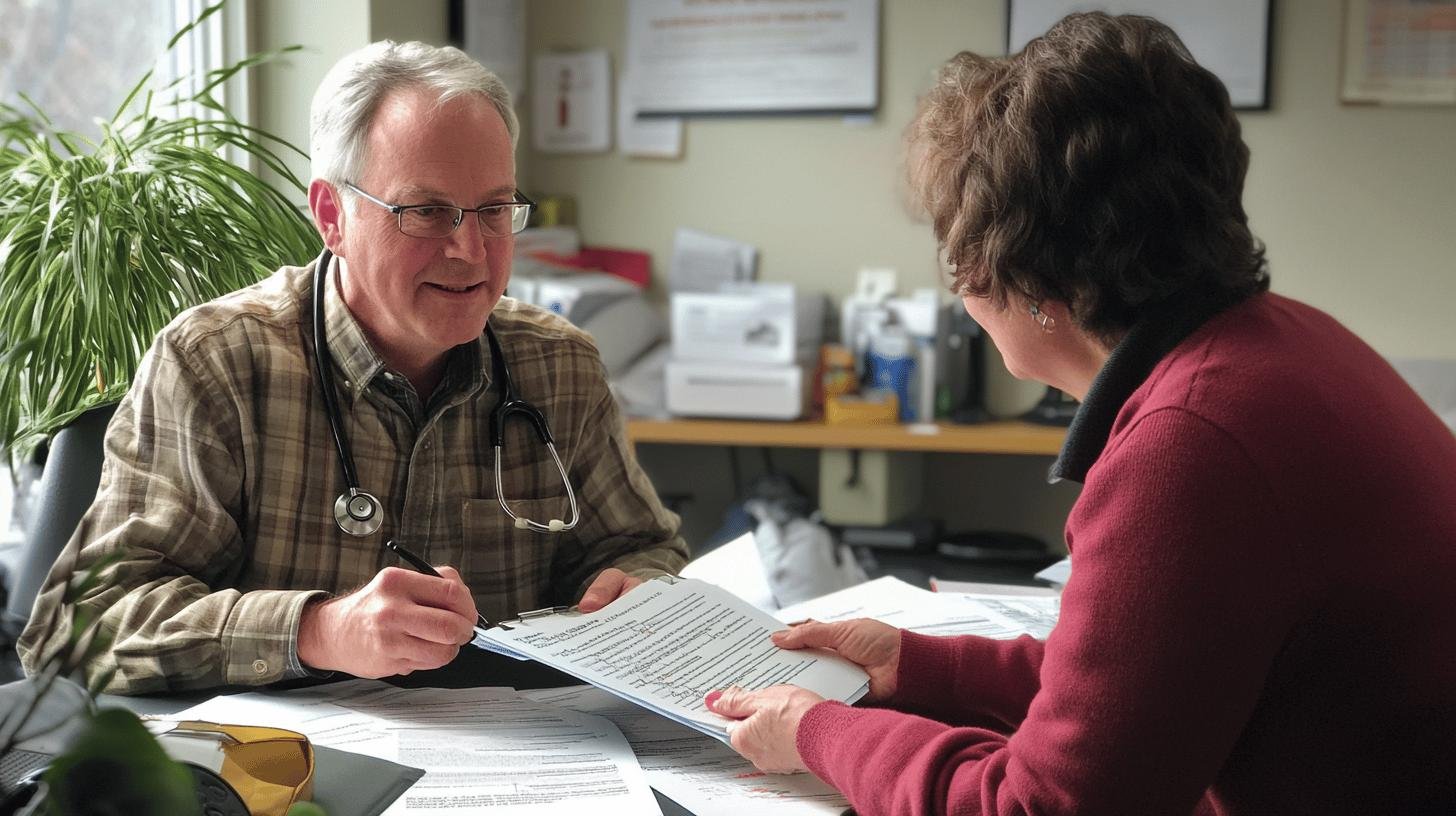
[(439, 220)]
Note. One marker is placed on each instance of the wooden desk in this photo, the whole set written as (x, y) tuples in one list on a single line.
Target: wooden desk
[(991, 437)]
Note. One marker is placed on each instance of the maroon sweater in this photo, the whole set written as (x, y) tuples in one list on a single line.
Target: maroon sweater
[(1261, 617)]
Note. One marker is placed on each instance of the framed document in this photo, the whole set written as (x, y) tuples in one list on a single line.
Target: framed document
[(1231, 38), (693, 58), (1399, 52)]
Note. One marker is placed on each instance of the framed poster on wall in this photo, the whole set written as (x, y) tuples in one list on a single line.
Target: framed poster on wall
[(1399, 52), (1231, 38), (789, 56)]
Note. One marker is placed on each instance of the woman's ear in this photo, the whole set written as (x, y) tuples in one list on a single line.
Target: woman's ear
[(1051, 314), (328, 210)]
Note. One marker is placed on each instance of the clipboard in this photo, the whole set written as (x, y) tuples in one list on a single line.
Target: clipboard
[(483, 640), (662, 647), (548, 611)]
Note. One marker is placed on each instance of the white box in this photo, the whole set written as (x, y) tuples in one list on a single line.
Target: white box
[(758, 323), (711, 389)]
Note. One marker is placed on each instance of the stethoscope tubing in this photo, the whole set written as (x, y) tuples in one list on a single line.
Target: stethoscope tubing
[(359, 513)]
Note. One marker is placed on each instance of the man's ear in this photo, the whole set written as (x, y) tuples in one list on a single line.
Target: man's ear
[(328, 211)]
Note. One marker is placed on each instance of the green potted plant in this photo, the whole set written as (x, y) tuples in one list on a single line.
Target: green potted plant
[(102, 242)]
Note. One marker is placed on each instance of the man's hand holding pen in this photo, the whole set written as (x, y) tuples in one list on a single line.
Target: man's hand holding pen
[(405, 620), (401, 621)]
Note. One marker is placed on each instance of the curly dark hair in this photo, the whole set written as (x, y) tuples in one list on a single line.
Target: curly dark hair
[(1101, 166)]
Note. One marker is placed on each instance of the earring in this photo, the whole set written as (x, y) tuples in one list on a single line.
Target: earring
[(1047, 322)]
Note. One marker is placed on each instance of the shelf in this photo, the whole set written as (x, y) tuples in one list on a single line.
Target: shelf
[(992, 437)]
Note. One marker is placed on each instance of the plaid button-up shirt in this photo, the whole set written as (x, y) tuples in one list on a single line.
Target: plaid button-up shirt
[(220, 478)]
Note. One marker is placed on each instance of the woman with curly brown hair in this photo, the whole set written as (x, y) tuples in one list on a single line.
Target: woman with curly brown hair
[(1259, 619)]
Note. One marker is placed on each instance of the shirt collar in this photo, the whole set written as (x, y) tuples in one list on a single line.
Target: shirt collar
[(358, 364), (354, 359), (1126, 369)]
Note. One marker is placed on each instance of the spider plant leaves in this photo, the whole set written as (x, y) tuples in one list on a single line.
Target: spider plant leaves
[(103, 243)]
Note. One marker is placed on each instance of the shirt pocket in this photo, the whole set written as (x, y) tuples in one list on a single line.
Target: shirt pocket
[(508, 569)]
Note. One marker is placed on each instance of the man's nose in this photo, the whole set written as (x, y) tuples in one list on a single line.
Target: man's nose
[(467, 242)]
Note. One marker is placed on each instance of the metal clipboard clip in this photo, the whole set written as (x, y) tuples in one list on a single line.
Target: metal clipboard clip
[(528, 614), (547, 611)]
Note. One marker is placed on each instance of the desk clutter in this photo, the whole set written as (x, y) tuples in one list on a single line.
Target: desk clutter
[(576, 749), (733, 347), (759, 351)]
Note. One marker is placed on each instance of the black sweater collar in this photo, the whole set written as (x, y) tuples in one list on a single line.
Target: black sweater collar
[(1141, 349)]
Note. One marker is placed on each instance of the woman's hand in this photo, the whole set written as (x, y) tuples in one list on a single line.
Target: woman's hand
[(768, 723), (872, 645)]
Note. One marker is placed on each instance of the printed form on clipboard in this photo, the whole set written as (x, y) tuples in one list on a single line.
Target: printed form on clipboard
[(669, 642)]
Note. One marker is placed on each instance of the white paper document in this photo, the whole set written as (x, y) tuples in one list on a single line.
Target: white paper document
[(703, 263), (495, 35), (746, 57), (735, 566), (895, 602), (666, 644), (701, 774), (1059, 573), (571, 102), (659, 137), (483, 750)]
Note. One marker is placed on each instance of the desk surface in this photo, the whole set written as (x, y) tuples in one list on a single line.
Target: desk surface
[(991, 437)]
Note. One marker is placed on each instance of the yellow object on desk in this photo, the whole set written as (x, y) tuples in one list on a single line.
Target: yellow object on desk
[(269, 768), (872, 408)]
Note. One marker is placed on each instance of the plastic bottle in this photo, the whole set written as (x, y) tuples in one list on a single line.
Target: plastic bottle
[(892, 366)]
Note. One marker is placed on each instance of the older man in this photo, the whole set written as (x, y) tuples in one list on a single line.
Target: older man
[(222, 473)]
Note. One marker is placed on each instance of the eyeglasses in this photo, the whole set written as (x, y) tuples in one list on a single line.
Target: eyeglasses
[(439, 220)]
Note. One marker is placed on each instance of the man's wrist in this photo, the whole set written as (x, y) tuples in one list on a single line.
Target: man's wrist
[(311, 643)]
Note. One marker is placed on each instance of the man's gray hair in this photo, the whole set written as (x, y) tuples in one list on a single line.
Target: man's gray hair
[(345, 103)]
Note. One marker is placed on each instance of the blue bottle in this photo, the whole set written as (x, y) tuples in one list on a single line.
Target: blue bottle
[(891, 358)]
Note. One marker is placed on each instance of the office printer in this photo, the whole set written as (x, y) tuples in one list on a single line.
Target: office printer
[(744, 351)]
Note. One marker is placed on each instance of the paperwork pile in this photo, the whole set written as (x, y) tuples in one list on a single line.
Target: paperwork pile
[(548, 751), (704, 776), (933, 613), (482, 749)]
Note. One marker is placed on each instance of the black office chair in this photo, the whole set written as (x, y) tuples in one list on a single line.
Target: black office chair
[(67, 488)]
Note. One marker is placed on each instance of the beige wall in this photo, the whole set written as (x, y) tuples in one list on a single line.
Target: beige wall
[(1357, 205), (327, 29)]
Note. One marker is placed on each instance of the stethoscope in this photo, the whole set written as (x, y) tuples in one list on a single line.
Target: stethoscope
[(359, 513)]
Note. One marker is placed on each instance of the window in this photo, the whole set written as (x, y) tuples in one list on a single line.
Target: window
[(77, 59)]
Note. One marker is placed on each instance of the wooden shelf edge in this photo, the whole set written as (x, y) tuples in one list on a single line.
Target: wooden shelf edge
[(992, 437)]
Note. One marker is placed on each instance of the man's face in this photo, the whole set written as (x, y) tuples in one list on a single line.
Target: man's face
[(416, 298)]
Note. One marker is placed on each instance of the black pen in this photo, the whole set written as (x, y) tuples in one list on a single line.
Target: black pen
[(423, 566)]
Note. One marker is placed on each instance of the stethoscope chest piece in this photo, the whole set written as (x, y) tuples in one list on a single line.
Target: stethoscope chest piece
[(357, 513)]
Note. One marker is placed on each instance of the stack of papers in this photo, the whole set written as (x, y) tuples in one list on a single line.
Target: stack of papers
[(657, 650), (481, 749), (667, 643), (901, 605), (701, 774), (546, 751)]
